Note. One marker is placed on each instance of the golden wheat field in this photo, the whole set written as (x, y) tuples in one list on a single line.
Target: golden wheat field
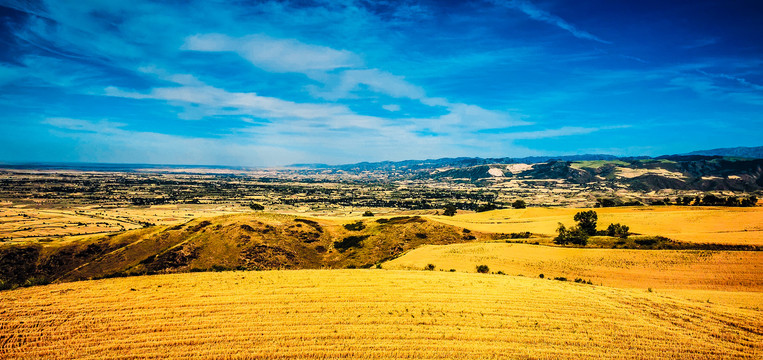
[(364, 314), (729, 271), (716, 225)]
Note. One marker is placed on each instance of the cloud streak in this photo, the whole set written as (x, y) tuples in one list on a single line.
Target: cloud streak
[(276, 55), (539, 14)]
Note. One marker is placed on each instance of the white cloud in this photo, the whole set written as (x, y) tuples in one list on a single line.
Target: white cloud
[(204, 100), (391, 107), (377, 81), (275, 55), (552, 133)]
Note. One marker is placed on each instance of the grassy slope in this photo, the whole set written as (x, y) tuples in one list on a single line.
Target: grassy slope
[(363, 314), (250, 241), (742, 226)]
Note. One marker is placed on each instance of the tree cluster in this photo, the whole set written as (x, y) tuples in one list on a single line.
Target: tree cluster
[(586, 227)]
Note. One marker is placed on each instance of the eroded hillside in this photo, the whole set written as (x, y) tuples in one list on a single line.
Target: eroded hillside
[(250, 241)]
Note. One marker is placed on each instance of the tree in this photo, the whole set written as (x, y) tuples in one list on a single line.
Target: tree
[(574, 235), (483, 269), (256, 206), (519, 204), (486, 207), (449, 210), (618, 230), (587, 221), (368, 213), (750, 201)]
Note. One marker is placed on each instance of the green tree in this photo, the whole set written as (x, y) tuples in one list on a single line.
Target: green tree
[(618, 230), (449, 210), (574, 235), (486, 207), (519, 204), (587, 221)]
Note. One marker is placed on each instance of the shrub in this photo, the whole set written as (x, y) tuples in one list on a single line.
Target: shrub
[(255, 206), (483, 269), (519, 235), (368, 213), (356, 226), (350, 241), (452, 270), (541, 276), (486, 207), (430, 267), (560, 278)]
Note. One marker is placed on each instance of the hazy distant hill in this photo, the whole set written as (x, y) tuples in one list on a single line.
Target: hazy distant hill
[(414, 165), (745, 152)]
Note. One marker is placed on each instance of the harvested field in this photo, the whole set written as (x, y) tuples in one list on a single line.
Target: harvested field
[(364, 314), (657, 269), (717, 225)]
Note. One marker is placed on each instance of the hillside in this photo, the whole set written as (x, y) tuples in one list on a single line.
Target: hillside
[(255, 241), (678, 172), (364, 314)]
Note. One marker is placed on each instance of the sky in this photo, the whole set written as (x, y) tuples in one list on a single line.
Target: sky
[(272, 83)]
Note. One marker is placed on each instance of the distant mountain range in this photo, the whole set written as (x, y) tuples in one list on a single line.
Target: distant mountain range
[(743, 152), (413, 165), (736, 169)]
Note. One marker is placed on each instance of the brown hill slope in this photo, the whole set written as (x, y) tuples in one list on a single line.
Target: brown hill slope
[(252, 241)]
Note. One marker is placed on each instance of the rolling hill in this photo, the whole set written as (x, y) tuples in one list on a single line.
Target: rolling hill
[(255, 241)]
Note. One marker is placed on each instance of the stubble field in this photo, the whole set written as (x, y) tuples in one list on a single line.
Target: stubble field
[(364, 314), (716, 225)]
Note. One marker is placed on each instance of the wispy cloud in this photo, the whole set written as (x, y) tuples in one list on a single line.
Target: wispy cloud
[(709, 89), (278, 55), (134, 146), (700, 43), (554, 133), (201, 101), (539, 14)]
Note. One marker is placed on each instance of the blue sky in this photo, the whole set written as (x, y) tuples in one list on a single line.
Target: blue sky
[(261, 83)]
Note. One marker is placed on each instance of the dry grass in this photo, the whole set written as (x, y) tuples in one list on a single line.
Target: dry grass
[(363, 314), (657, 269), (741, 299), (718, 225), (29, 224)]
